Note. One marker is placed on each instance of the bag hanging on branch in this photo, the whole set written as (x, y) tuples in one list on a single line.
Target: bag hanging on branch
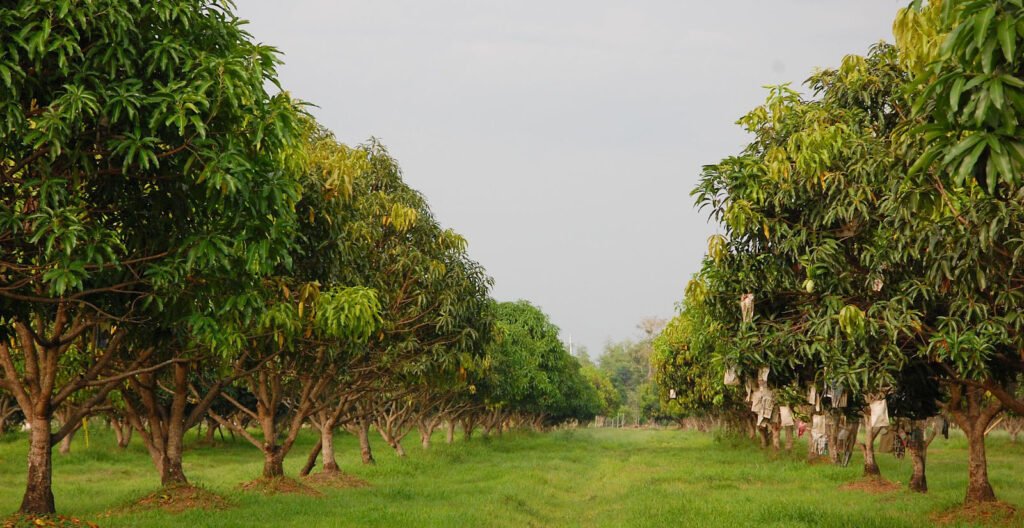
[(879, 413), (747, 307), (731, 377), (786, 416), (819, 433), (840, 396), (763, 405)]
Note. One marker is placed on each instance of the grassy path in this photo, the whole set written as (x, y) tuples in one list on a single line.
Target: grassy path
[(568, 478)]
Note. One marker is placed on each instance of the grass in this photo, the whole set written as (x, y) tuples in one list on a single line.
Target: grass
[(590, 477)]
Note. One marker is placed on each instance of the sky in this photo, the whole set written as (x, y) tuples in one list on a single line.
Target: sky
[(561, 137)]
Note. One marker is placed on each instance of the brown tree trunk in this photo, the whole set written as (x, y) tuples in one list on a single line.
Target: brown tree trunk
[(123, 433), (870, 464), (364, 441), (978, 487), (37, 391), (65, 443), (833, 441), (974, 420), (211, 430), (449, 435), (774, 428), (268, 387), (173, 472), (763, 435), (789, 438), (311, 459), (273, 463), (468, 424), (38, 499), (163, 428), (918, 452), (330, 464), (426, 429)]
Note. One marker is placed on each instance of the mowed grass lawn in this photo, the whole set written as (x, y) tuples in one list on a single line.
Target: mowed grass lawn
[(587, 477)]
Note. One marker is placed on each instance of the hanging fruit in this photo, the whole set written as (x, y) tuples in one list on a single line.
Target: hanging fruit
[(851, 320)]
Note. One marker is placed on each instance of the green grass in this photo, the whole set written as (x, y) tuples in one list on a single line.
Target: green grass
[(591, 477)]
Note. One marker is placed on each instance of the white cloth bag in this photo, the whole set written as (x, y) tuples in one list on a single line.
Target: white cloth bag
[(879, 413), (786, 416)]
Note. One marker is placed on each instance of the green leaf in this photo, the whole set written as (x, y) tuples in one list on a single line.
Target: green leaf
[(967, 164), (955, 92), (1007, 37), (995, 88), (981, 24), (962, 147)]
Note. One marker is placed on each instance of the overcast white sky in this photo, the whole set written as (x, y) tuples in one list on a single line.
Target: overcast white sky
[(562, 138)]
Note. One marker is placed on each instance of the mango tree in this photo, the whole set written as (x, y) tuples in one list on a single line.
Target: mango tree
[(806, 243), (139, 149), (314, 322), (960, 207), (433, 304)]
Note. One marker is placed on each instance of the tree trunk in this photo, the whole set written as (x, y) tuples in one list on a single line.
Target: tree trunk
[(364, 441), (978, 487), (467, 428), (123, 433), (763, 435), (918, 453), (789, 438), (774, 428), (426, 429), (449, 435), (870, 464), (38, 499), (211, 430), (173, 472), (162, 424), (833, 441), (974, 420), (65, 443), (330, 464), (273, 463), (311, 459)]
